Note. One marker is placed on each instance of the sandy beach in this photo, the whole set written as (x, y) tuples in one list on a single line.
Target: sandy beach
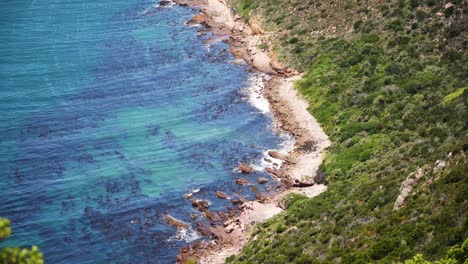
[(290, 114)]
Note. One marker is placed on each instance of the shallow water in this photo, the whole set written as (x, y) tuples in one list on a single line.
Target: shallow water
[(111, 112)]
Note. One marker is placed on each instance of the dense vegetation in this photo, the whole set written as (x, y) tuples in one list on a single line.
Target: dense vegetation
[(387, 81), (16, 255)]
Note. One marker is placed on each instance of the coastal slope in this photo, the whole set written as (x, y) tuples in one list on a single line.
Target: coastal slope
[(387, 82)]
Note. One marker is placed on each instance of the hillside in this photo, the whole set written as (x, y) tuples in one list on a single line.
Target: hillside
[(387, 81)]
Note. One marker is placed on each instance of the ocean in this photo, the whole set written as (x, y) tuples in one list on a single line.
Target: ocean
[(112, 111)]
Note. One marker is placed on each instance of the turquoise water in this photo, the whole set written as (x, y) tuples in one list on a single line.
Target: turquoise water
[(111, 111)]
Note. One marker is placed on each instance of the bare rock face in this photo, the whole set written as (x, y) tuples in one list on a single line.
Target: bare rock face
[(241, 181), (221, 195), (244, 168), (172, 221), (276, 155), (262, 180)]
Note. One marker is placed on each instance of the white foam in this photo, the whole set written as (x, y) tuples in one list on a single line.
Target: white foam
[(255, 92), (184, 234), (190, 193), (285, 147)]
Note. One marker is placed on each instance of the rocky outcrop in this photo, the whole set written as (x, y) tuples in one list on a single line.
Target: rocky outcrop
[(413, 178), (172, 221)]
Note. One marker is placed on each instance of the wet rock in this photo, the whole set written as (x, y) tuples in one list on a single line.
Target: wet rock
[(222, 215), (198, 19), (172, 221), (212, 216), (221, 195), (276, 155), (275, 172), (231, 212), (236, 201), (164, 3), (241, 181), (262, 180), (267, 160), (203, 229), (200, 205), (246, 169), (259, 197)]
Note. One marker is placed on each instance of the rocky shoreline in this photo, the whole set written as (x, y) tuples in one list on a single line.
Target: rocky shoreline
[(290, 115)]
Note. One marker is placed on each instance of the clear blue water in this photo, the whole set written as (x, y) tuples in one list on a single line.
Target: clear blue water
[(111, 110)]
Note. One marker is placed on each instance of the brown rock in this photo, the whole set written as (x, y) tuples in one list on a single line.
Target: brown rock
[(200, 205), (262, 180), (172, 221), (198, 19), (241, 181), (302, 184), (231, 212), (221, 195), (259, 197), (276, 155), (276, 172), (212, 216), (246, 169), (203, 229), (222, 215)]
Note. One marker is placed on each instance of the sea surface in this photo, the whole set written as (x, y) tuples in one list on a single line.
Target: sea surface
[(111, 111)]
